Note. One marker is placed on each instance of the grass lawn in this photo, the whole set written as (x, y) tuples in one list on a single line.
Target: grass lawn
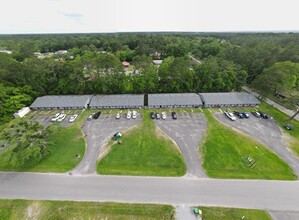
[(292, 136), (67, 142), (143, 152), (225, 152), (216, 213), (52, 210)]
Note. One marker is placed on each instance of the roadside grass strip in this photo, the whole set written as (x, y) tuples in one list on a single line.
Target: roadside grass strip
[(230, 154), (144, 151), (44, 210), (216, 213)]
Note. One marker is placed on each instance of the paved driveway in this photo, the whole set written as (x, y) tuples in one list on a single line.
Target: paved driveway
[(267, 132), (187, 132), (97, 133)]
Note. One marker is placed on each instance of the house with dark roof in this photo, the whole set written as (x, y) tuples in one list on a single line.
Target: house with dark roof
[(174, 100), (228, 99), (61, 102), (117, 101)]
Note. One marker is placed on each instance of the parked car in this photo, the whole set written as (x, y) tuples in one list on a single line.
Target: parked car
[(96, 115), (152, 114), (174, 116), (134, 114), (55, 117), (73, 118), (90, 117), (239, 114), (61, 117), (158, 115), (129, 114), (163, 115), (288, 126), (264, 115), (246, 115), (230, 115), (256, 114), (117, 116)]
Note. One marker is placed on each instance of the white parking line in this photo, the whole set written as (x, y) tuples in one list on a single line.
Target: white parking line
[(220, 110), (200, 109), (191, 109), (229, 109), (209, 110)]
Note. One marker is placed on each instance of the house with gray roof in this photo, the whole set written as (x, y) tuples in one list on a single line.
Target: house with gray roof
[(174, 100), (228, 99), (61, 102), (117, 101)]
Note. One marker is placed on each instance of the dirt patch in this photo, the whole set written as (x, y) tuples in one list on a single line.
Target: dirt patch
[(33, 211)]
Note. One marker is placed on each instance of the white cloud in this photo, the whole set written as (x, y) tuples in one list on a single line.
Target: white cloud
[(54, 16)]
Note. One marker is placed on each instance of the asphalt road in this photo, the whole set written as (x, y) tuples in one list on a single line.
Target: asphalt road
[(98, 132), (267, 132), (257, 194), (187, 132)]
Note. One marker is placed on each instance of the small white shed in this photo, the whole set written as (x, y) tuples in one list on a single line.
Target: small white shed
[(22, 112)]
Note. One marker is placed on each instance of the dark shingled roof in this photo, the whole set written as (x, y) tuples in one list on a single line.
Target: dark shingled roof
[(117, 100), (61, 101), (228, 98), (172, 99)]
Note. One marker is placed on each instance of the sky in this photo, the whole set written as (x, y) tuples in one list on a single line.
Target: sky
[(102, 16)]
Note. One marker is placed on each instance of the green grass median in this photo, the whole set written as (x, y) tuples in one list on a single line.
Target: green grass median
[(144, 151), (216, 213), (230, 154), (52, 210)]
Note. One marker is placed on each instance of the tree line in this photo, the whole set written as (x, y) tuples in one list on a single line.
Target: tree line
[(210, 62)]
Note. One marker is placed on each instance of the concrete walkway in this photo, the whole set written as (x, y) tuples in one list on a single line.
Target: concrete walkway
[(185, 212), (274, 104)]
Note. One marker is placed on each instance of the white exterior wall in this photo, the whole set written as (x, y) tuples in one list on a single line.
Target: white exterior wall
[(22, 112)]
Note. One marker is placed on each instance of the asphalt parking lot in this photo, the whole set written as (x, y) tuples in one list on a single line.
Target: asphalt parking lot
[(44, 117), (267, 132), (98, 132), (187, 131)]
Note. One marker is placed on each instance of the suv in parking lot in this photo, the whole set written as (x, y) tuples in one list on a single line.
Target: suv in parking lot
[(61, 117), (230, 115), (264, 115), (134, 114), (246, 115), (96, 115), (152, 114), (73, 118), (256, 114), (117, 116), (158, 115), (55, 117), (239, 114), (174, 116)]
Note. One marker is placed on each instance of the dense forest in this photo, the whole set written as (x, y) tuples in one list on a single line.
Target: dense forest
[(36, 65)]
